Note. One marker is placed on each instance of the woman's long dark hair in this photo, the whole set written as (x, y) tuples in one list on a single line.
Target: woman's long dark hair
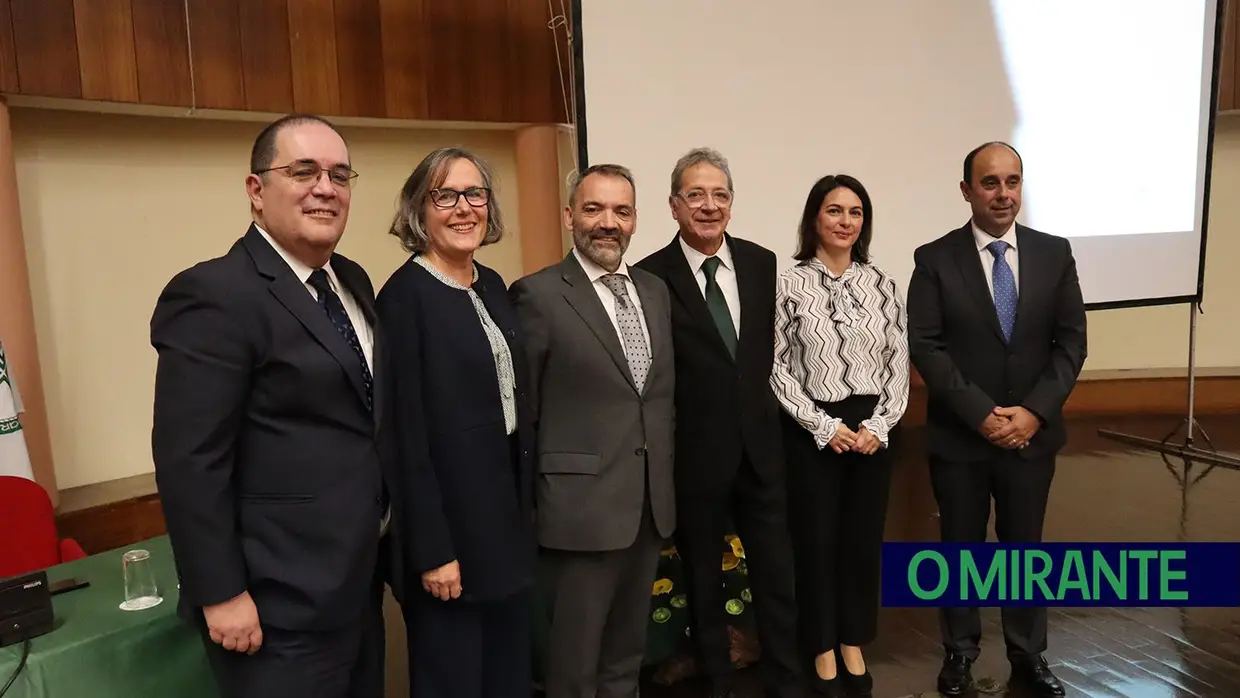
[(807, 235)]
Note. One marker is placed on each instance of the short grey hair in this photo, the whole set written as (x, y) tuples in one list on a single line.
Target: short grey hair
[(699, 156), (409, 224), (606, 169)]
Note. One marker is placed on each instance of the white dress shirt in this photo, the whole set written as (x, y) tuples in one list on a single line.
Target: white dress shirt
[(725, 276), (365, 334), (1011, 255), (594, 272)]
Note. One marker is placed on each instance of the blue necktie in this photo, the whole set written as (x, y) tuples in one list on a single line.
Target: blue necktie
[(1005, 288), (334, 307)]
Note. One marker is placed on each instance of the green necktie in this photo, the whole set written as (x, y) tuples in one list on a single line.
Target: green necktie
[(718, 305)]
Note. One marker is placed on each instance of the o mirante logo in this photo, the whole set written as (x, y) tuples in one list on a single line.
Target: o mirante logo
[(1061, 574)]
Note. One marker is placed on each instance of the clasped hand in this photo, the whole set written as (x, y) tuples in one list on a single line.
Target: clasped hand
[(861, 441), (234, 624), (443, 583), (1010, 427)]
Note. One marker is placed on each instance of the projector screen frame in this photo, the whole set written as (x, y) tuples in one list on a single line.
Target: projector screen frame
[(1196, 299)]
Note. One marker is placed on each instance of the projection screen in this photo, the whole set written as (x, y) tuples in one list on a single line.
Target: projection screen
[(1110, 103)]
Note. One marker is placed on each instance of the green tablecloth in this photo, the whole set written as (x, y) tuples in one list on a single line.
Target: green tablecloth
[(98, 651)]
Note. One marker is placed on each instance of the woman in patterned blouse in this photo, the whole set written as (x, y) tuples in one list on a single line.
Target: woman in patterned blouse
[(459, 436), (842, 376)]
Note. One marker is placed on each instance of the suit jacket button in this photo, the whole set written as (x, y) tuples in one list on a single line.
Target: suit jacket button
[(640, 451)]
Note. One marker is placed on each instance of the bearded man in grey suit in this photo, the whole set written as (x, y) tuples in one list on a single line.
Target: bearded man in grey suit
[(599, 342)]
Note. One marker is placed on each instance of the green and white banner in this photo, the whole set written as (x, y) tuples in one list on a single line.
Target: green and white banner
[(14, 458)]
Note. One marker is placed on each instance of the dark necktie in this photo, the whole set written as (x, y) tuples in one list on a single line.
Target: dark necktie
[(1005, 288), (335, 312), (718, 305)]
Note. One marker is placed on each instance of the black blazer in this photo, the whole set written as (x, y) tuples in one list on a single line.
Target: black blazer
[(265, 451), (725, 407), (457, 492), (957, 346)]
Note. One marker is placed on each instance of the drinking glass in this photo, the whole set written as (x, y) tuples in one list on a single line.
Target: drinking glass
[(140, 589)]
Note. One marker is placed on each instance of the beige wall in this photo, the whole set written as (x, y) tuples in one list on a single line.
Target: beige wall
[(115, 205)]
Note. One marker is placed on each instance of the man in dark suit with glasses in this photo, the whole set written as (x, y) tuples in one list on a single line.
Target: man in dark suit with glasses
[(265, 435)]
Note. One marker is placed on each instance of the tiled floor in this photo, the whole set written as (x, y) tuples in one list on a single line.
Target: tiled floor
[(1103, 491)]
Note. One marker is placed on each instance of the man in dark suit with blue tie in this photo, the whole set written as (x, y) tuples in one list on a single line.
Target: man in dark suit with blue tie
[(997, 331), (265, 435)]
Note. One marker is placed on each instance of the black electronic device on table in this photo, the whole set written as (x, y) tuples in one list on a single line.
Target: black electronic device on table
[(25, 608), (61, 586)]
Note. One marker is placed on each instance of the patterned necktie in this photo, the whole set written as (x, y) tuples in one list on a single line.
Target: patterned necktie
[(335, 312), (718, 305), (635, 349), (1005, 288)]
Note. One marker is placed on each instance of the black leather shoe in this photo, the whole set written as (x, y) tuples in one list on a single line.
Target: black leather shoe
[(829, 688), (956, 676), (1035, 676), (856, 686)]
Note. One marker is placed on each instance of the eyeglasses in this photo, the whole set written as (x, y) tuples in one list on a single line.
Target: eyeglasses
[(308, 172), (447, 198), (697, 198)]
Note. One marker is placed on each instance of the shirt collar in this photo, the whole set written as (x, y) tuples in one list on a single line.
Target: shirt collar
[(300, 268), (696, 258), (982, 238), (818, 264), (594, 272)]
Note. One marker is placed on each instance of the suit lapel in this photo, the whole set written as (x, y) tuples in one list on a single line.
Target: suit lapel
[(969, 262), (1029, 254), (581, 295), (364, 297), (654, 326), (296, 298)]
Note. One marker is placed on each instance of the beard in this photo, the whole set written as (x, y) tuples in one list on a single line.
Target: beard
[(606, 256)]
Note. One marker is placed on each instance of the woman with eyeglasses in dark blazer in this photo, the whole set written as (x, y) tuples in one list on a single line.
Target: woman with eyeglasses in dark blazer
[(460, 440)]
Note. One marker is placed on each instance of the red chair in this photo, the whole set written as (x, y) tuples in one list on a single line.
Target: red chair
[(28, 537)]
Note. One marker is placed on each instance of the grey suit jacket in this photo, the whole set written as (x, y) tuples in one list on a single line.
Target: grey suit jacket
[(597, 436)]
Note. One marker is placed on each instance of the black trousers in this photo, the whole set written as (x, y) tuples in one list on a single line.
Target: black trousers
[(345, 663), (470, 649), (1020, 487), (758, 511), (600, 610), (837, 505)]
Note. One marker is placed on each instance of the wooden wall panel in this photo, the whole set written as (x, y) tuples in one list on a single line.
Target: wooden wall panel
[(312, 48), (537, 93), (1227, 61), (46, 48), (467, 47), (8, 52), (113, 525), (161, 44), (405, 49), (359, 58), (106, 50), (265, 59), (467, 60), (215, 54)]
